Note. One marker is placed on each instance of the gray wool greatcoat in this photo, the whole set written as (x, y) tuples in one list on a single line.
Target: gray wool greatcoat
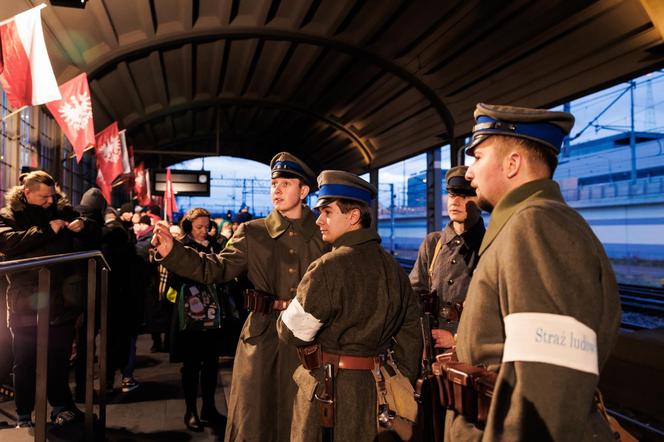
[(364, 300), (538, 255), (274, 252), (452, 269)]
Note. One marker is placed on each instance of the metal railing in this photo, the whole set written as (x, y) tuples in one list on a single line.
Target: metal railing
[(43, 314)]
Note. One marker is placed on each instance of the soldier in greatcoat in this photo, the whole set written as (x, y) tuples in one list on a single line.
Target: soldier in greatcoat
[(357, 303), (542, 309), (274, 253), (447, 258)]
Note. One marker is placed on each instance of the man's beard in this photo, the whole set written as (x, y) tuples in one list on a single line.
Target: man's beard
[(484, 204)]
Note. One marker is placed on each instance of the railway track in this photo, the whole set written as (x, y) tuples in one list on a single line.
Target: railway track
[(633, 298), (636, 298)]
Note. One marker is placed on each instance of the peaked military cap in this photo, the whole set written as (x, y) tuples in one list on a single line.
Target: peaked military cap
[(285, 165), (546, 127), (335, 184), (455, 178)]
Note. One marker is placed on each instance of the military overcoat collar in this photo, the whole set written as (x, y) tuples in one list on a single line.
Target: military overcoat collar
[(276, 224), (515, 199), (448, 233), (471, 236), (356, 237)]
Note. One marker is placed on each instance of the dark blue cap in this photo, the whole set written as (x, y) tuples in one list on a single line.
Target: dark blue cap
[(334, 184), (548, 128), (288, 165)]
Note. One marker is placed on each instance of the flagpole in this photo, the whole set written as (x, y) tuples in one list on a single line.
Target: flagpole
[(14, 113), (41, 6)]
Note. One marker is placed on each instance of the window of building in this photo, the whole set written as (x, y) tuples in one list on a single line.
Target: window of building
[(402, 205)]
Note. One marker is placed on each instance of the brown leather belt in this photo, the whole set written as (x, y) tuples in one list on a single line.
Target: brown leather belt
[(281, 304), (348, 362), (263, 302)]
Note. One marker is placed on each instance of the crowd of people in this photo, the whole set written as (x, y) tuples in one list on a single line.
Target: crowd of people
[(520, 317), (38, 221)]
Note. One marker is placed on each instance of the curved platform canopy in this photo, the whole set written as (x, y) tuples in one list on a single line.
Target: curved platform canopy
[(349, 84)]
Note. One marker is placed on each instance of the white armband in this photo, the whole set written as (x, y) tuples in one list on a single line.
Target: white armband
[(553, 339), (303, 325)]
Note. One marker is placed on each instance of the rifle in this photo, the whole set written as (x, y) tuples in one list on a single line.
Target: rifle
[(431, 414)]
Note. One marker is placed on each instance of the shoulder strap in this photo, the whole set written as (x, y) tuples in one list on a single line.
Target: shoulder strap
[(436, 252)]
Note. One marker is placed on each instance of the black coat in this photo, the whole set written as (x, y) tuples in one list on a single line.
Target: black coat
[(125, 300), (157, 310), (25, 232)]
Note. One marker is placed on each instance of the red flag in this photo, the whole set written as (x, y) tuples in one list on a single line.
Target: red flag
[(27, 76), (74, 114), (141, 185), (169, 197), (108, 152)]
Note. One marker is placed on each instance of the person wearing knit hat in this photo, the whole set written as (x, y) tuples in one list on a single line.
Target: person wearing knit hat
[(353, 305), (126, 212), (542, 311), (273, 253)]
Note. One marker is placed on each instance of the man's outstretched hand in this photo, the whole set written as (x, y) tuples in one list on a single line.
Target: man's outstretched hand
[(162, 239)]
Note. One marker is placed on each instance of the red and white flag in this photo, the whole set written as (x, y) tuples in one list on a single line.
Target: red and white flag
[(142, 185), (169, 197), (74, 114), (126, 166), (108, 152), (27, 76)]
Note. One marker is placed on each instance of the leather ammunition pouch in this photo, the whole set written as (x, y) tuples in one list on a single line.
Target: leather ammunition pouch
[(464, 388), (262, 302), (310, 356), (445, 394)]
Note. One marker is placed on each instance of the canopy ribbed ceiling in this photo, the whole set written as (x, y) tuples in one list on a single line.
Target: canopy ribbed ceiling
[(345, 84)]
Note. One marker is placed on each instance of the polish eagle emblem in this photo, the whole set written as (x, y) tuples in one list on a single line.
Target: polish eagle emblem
[(111, 150), (77, 111)]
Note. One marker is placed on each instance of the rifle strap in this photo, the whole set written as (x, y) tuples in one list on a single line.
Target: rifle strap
[(436, 252)]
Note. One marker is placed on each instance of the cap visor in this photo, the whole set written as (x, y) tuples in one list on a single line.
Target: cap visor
[(468, 148), (323, 202)]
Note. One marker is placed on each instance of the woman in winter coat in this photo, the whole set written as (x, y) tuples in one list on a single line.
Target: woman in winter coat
[(196, 335)]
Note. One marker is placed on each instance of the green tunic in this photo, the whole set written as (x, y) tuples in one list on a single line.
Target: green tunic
[(540, 256), (453, 268), (274, 252), (363, 299)]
